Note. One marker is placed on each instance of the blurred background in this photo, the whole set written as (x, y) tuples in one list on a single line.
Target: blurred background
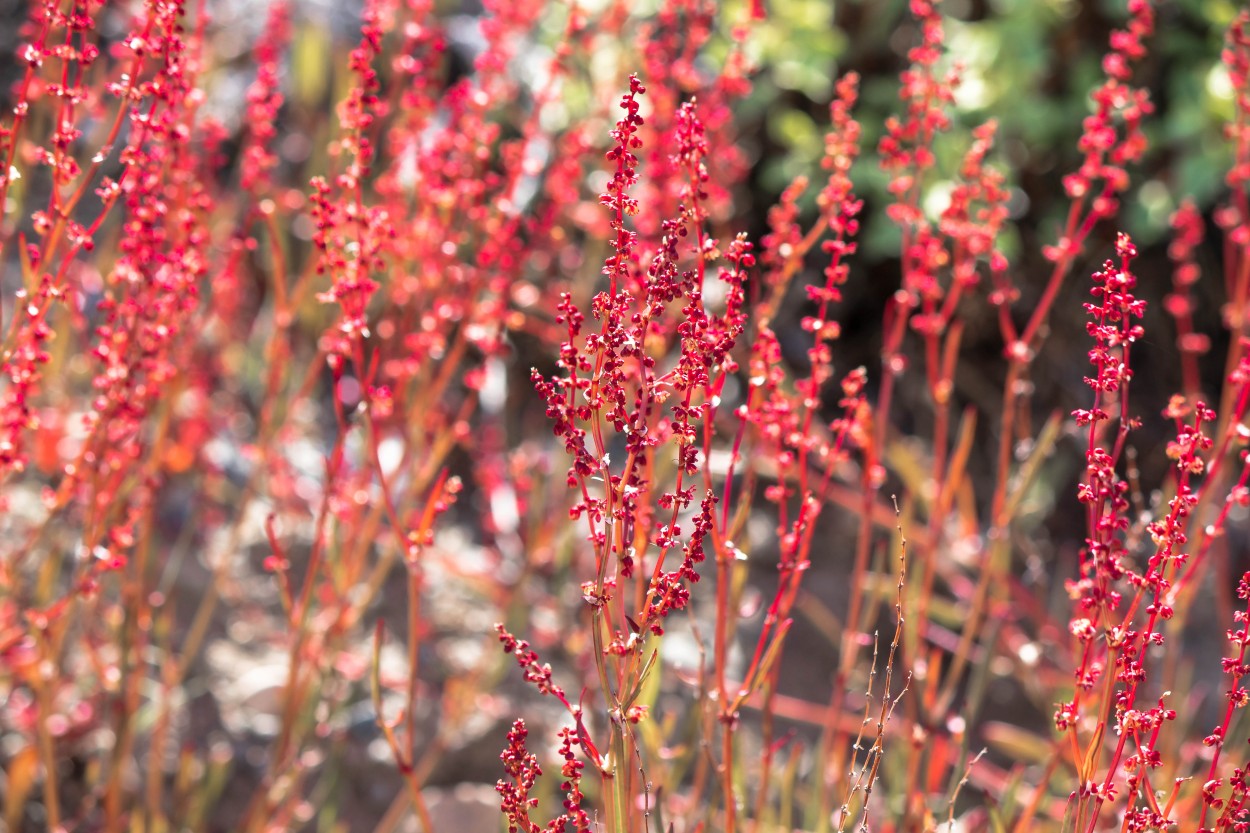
[(1029, 64)]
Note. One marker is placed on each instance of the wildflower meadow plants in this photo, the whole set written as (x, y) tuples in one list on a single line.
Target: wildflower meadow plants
[(371, 401)]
